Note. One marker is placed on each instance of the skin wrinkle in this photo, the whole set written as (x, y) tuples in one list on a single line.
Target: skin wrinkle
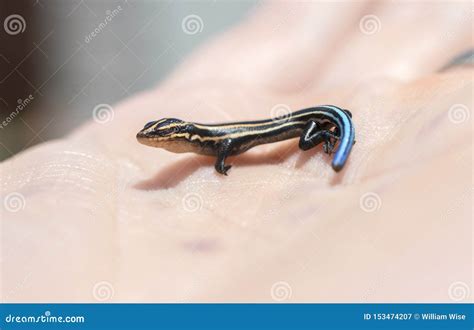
[(42, 181)]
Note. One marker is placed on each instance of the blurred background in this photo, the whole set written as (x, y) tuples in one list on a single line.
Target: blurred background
[(59, 59)]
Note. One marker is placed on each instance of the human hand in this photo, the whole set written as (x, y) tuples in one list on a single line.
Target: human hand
[(102, 217)]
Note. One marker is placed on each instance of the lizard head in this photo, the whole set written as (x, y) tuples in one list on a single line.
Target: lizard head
[(168, 133)]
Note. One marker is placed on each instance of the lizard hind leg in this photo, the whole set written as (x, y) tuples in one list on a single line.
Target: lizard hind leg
[(330, 140), (311, 136), (314, 134)]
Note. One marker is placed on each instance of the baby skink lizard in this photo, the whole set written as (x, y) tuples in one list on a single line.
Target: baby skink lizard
[(325, 124)]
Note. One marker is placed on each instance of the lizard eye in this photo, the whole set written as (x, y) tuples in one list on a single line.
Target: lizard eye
[(149, 124)]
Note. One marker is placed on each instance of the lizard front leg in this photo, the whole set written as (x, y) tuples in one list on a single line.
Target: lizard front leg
[(223, 150)]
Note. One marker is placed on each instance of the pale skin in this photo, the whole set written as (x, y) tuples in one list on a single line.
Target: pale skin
[(156, 226)]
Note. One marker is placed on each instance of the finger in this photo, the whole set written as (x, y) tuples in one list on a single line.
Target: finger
[(280, 46), (400, 40)]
